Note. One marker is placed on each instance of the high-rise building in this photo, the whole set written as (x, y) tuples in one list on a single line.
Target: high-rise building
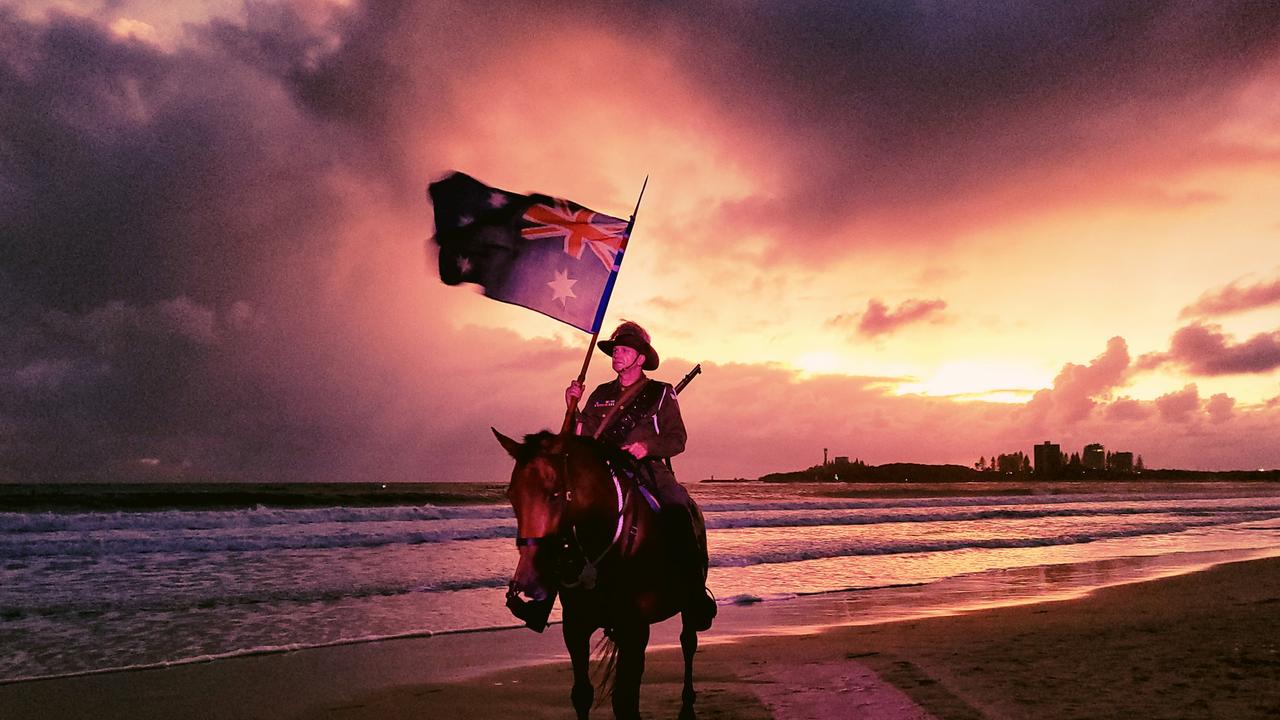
[(1048, 459), (1095, 457), (1122, 462)]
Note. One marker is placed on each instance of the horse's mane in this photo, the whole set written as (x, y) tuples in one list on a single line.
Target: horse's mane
[(549, 443)]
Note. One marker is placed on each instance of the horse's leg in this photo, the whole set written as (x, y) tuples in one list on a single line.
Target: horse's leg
[(688, 644), (577, 640), (632, 642)]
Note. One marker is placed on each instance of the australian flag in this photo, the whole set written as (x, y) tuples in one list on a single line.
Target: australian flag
[(536, 251)]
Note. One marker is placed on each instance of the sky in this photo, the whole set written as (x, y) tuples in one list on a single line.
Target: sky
[(902, 231)]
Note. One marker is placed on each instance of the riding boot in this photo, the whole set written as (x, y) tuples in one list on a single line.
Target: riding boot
[(688, 558)]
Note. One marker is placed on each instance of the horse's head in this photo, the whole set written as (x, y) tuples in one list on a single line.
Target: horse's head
[(539, 495)]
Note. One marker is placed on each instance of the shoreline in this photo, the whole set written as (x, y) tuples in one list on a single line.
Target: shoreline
[(733, 663), (152, 496), (804, 612)]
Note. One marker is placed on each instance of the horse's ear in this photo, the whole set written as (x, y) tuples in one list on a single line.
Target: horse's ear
[(554, 445), (511, 446)]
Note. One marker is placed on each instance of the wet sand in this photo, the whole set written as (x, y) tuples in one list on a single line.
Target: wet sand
[(1202, 645)]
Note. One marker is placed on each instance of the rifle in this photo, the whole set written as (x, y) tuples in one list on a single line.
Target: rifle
[(688, 378)]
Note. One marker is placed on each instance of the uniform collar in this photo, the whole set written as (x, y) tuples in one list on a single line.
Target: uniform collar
[(641, 379)]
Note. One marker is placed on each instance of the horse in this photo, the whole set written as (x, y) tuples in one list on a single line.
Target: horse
[(588, 530)]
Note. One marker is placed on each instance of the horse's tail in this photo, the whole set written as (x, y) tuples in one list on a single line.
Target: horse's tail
[(606, 661)]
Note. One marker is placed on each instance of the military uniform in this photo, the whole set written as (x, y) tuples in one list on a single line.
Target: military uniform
[(651, 416), (660, 428)]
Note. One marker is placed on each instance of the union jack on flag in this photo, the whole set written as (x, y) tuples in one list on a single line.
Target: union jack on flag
[(579, 228), (528, 249)]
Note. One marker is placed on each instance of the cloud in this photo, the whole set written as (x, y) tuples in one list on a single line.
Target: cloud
[(1233, 298), (1127, 409), (746, 420), (201, 250), (1221, 407), (1076, 387), (141, 175), (1149, 361), (212, 256), (900, 105), (1206, 350), (880, 320), (1178, 406), (751, 419)]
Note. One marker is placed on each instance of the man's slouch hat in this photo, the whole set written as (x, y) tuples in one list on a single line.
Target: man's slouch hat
[(631, 335)]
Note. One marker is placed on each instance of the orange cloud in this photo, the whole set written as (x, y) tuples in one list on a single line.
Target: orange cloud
[(1206, 350), (880, 320), (1220, 407), (1075, 389), (1128, 409), (1178, 406), (1233, 298)]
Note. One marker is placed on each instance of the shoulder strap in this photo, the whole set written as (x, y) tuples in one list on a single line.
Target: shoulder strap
[(628, 411)]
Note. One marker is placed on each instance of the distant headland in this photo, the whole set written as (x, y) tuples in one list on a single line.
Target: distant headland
[(921, 473), (1046, 463)]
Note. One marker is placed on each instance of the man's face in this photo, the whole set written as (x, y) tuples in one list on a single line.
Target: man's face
[(623, 357)]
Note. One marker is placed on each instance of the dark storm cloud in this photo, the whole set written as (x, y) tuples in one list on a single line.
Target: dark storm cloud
[(141, 175), (345, 70), (85, 390), (166, 219), (886, 106)]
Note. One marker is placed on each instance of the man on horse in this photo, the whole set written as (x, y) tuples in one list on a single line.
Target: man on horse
[(641, 416)]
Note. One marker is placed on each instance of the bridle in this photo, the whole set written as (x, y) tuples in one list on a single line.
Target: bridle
[(586, 579)]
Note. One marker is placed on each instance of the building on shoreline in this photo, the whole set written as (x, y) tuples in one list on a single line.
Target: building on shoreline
[(1048, 459), (1094, 457), (1052, 463), (1120, 462)]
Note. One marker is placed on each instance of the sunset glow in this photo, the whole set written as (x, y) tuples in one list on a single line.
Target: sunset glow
[(909, 232)]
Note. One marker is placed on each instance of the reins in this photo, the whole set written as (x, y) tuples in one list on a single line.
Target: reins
[(587, 577)]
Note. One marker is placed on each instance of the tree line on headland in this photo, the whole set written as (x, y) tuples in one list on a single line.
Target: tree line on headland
[(859, 472)]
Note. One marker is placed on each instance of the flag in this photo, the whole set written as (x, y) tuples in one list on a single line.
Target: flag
[(543, 253)]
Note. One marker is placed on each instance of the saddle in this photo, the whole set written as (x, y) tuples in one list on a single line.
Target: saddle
[(638, 473)]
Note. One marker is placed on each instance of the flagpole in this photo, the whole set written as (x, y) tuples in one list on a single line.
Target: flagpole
[(586, 361)]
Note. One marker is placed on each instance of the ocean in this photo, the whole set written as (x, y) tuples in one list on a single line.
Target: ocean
[(97, 578)]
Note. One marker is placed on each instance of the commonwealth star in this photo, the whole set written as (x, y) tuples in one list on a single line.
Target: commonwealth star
[(562, 287)]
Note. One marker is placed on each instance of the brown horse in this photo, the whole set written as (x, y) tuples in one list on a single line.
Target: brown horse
[(586, 529)]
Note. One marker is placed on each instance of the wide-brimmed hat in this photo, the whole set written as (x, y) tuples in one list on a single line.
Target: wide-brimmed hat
[(633, 336)]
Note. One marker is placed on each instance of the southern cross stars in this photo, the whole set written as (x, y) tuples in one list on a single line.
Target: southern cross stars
[(562, 287)]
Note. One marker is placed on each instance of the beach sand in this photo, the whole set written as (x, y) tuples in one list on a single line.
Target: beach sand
[(1204, 645)]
